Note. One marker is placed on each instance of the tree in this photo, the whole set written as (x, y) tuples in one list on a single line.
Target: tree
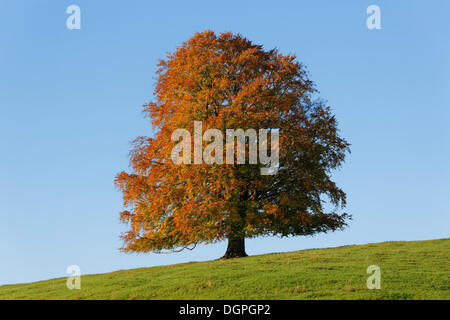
[(227, 82)]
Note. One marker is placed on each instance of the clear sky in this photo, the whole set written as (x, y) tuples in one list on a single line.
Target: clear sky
[(71, 103)]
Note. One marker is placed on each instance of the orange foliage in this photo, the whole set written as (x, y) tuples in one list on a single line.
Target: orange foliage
[(227, 82)]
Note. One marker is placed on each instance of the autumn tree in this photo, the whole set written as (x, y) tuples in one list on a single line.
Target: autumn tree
[(227, 82)]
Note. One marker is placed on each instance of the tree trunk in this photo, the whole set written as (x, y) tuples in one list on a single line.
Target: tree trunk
[(236, 248)]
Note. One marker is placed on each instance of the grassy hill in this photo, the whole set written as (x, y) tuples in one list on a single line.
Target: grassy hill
[(409, 270)]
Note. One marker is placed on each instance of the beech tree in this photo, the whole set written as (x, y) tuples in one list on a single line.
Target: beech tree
[(227, 82)]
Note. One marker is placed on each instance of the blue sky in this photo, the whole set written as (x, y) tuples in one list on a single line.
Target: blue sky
[(71, 103)]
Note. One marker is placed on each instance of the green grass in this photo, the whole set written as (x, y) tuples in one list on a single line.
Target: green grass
[(409, 270)]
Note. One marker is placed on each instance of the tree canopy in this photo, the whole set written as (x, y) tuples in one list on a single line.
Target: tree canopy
[(227, 82)]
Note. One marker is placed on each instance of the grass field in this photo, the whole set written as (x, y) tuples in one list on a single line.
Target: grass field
[(409, 270)]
